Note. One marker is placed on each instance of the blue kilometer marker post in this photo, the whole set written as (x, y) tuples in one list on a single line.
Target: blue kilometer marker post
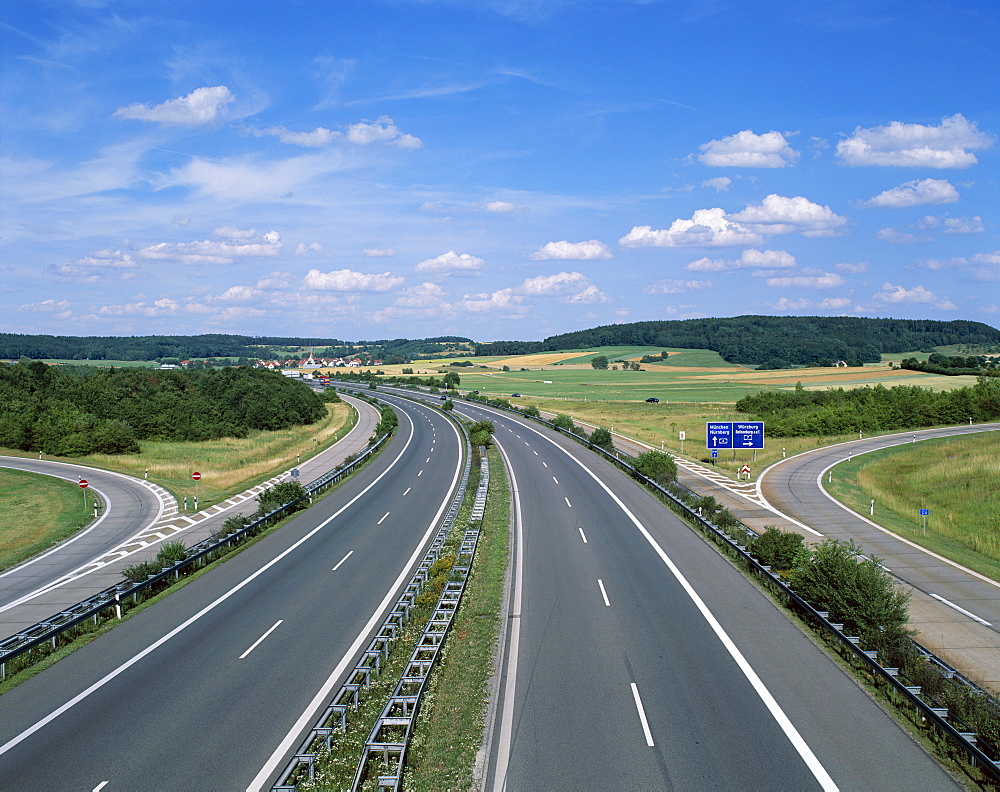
[(923, 518)]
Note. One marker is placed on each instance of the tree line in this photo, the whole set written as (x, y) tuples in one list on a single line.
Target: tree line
[(777, 341), (979, 365), (801, 413), (74, 411)]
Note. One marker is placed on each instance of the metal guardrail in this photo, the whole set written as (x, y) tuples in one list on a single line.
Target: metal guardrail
[(404, 704), (49, 631)]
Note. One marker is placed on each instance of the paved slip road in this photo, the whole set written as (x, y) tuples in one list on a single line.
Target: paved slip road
[(200, 690), (131, 530), (638, 658)]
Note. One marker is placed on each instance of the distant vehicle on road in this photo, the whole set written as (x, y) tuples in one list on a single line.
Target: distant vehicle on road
[(475, 393), (515, 394), (653, 400)]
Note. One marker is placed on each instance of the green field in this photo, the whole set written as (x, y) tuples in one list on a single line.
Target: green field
[(37, 511), (957, 479)]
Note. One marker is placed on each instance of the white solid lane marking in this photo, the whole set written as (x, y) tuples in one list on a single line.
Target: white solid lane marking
[(342, 560), (961, 610), (642, 716), (100, 786), (383, 518), (259, 640), (604, 594), (567, 502), (582, 535), (407, 490)]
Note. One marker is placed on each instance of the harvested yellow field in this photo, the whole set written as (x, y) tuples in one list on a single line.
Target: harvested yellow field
[(541, 359)]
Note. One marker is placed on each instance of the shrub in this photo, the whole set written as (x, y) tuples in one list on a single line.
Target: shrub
[(778, 549), (171, 553), (661, 468), (855, 590), (602, 439), (532, 411), (564, 422)]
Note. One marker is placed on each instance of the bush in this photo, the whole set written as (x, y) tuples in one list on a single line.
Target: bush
[(564, 422), (273, 497), (532, 411), (662, 469), (855, 590), (171, 553), (448, 405), (778, 549), (602, 439)]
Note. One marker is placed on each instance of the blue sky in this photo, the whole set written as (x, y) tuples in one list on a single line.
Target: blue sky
[(502, 169)]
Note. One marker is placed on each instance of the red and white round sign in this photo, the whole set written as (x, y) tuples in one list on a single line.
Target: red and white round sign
[(83, 484), (196, 475)]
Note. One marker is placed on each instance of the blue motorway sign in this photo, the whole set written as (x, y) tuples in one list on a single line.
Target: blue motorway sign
[(714, 453), (718, 435), (735, 434)]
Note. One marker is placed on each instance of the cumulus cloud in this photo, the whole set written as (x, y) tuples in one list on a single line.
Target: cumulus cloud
[(777, 214), (963, 225), (346, 280), (318, 138), (451, 262), (200, 107), (302, 249), (499, 207), (719, 183), (748, 150), (706, 228), (582, 251), (379, 252), (162, 307), (382, 130), (239, 294), (572, 287), (948, 145), (771, 259), (672, 286), (822, 280), (233, 244), (918, 295), (61, 308), (501, 300), (100, 264), (915, 193)]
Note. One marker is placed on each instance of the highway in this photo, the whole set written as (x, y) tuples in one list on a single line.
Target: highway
[(201, 690), (638, 658)]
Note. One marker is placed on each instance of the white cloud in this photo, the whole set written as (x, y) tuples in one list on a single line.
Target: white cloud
[(499, 206), (200, 107), (318, 138), (852, 268), (451, 262), (823, 280), (501, 300), (383, 130), (719, 183), (963, 225), (898, 237), (916, 145), (784, 304), (670, 286), (918, 295), (100, 264), (351, 281), (777, 214), (239, 294), (706, 228), (302, 249), (61, 308), (915, 193), (748, 150), (234, 244), (772, 259), (582, 251), (835, 303), (573, 287), (161, 307), (379, 252), (275, 280)]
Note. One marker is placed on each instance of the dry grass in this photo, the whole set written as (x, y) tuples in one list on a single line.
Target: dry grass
[(229, 464)]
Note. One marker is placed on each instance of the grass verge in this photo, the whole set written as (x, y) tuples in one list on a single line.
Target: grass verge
[(55, 507), (957, 479), (449, 729)]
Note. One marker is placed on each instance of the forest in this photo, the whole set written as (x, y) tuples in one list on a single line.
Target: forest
[(74, 411), (956, 365), (802, 413), (770, 341), (14, 346)]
